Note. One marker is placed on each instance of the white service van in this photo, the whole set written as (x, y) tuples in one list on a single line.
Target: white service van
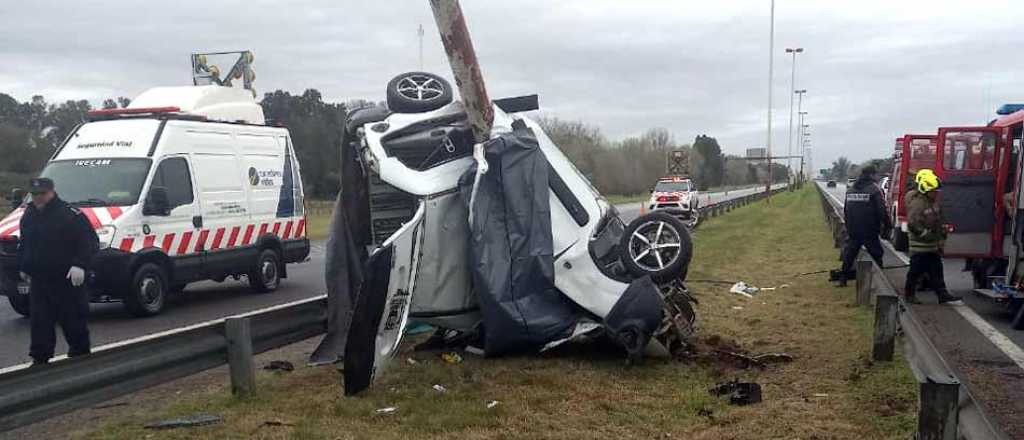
[(185, 184)]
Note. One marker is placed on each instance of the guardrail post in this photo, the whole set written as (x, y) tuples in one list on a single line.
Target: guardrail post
[(865, 269), (243, 375), (886, 321), (938, 416)]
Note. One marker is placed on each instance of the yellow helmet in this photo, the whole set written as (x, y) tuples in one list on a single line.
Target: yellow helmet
[(927, 181)]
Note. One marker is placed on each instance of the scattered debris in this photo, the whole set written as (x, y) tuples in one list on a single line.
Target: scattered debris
[(277, 423), (186, 422), (742, 288), (412, 361), (492, 404), (740, 393), (440, 388), (760, 361), (280, 366), (475, 350), (737, 308), (387, 410), (451, 358), (820, 395)]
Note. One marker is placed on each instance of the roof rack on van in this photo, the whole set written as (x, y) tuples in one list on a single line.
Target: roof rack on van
[(169, 112)]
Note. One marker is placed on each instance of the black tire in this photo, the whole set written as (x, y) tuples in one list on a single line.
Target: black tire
[(640, 259), (418, 92), (147, 294), (266, 276), (20, 304), (900, 241)]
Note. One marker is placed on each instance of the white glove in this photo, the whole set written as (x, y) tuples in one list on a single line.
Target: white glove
[(77, 276), (25, 277)]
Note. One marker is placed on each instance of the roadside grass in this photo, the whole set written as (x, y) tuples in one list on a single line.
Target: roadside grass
[(618, 199), (829, 391)]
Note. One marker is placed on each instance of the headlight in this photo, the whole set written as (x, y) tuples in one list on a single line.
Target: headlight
[(106, 235)]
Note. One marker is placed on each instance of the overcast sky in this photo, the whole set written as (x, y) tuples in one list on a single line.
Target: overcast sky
[(874, 69)]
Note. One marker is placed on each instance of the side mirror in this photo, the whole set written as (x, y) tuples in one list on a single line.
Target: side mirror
[(157, 202), (17, 196)]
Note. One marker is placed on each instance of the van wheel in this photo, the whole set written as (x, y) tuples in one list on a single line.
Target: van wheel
[(20, 304), (148, 291), (266, 276), (659, 245)]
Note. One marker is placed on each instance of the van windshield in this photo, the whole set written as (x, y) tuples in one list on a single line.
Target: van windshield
[(98, 182)]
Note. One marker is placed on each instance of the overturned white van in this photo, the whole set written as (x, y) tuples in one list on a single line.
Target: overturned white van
[(185, 184)]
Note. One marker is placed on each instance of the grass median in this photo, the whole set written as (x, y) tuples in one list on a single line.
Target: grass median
[(830, 389)]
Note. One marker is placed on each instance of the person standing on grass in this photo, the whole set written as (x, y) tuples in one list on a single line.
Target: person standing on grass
[(866, 217), (57, 243), (927, 234)]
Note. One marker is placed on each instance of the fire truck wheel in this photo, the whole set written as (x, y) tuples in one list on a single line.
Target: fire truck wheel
[(148, 291), (418, 92), (20, 304), (659, 245)]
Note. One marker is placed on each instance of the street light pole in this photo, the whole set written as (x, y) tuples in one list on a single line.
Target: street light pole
[(771, 71), (792, 91)]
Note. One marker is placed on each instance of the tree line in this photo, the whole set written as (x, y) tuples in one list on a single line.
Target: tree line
[(31, 131)]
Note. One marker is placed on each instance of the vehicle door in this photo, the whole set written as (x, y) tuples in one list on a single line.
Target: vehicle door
[(172, 227), (969, 161), (382, 309)]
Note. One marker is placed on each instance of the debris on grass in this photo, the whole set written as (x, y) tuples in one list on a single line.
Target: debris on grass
[(387, 410), (439, 388), (451, 358), (411, 361), (477, 351), (740, 393), (743, 289), (492, 404), (280, 366), (760, 361), (186, 422)]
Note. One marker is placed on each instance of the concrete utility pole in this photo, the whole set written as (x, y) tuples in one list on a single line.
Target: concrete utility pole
[(792, 91), (771, 72), (459, 47)]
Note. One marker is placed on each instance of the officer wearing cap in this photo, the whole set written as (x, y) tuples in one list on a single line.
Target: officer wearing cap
[(57, 243)]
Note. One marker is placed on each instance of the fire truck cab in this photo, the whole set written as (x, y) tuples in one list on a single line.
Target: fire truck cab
[(913, 152)]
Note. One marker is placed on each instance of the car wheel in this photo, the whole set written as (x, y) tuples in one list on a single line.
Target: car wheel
[(418, 92), (900, 241), (659, 245), (20, 304), (266, 276), (148, 292)]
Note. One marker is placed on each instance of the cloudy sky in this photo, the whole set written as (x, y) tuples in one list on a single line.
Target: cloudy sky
[(874, 69)]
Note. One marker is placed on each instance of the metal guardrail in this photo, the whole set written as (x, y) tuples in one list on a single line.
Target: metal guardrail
[(28, 395), (948, 410), (32, 394)]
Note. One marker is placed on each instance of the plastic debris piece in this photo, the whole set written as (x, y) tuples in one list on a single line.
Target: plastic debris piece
[(412, 361), (451, 358), (477, 351), (737, 308), (740, 393), (280, 366), (743, 289), (439, 388), (820, 395), (387, 410), (186, 422), (492, 404)]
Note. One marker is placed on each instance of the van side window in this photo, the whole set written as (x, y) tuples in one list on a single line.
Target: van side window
[(173, 174)]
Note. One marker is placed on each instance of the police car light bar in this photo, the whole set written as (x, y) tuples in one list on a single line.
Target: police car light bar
[(132, 111)]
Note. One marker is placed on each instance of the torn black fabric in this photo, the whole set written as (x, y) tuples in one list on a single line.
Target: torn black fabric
[(511, 247)]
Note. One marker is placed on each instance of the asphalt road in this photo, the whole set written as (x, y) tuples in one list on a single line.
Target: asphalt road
[(208, 300)]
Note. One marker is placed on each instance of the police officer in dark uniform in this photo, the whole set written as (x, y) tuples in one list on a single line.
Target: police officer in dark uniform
[(866, 217), (57, 243)]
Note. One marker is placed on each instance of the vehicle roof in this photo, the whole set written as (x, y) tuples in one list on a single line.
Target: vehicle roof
[(213, 102), (1008, 120), (674, 179)]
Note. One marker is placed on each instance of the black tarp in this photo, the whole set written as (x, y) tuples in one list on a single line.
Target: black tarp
[(511, 247)]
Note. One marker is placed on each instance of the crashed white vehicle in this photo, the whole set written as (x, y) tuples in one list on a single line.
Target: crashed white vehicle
[(513, 245)]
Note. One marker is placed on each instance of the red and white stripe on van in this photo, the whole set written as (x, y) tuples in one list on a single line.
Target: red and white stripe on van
[(190, 242)]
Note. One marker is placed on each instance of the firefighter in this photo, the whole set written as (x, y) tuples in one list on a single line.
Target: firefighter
[(927, 234), (56, 246), (866, 217)]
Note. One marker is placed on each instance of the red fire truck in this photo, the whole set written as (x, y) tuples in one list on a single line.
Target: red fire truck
[(913, 152)]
